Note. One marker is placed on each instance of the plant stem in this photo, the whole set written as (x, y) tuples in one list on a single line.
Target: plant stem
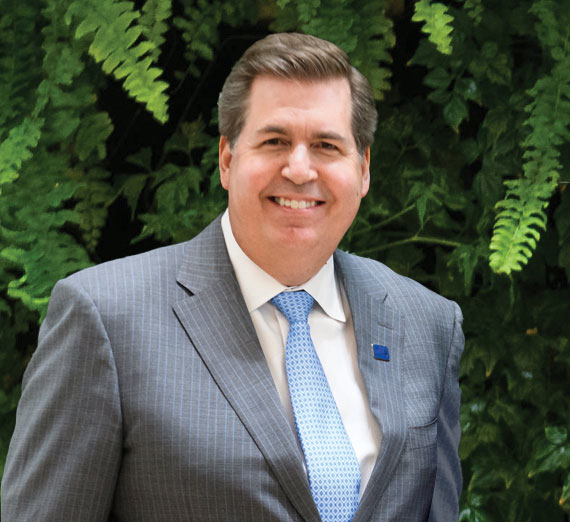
[(385, 222), (413, 239)]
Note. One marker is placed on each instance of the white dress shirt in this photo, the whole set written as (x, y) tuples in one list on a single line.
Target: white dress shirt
[(332, 332)]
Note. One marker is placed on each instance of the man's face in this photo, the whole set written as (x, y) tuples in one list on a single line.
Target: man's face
[(294, 177)]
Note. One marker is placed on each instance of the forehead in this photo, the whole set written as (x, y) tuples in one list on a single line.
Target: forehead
[(273, 98)]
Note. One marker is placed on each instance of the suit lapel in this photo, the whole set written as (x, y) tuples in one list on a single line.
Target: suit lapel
[(375, 323), (218, 324)]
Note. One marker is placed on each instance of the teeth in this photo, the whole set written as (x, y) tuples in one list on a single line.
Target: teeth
[(295, 203)]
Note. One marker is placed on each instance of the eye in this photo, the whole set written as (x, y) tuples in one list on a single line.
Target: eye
[(325, 145), (273, 141)]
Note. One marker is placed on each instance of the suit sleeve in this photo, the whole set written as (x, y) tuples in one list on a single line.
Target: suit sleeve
[(448, 482), (65, 452)]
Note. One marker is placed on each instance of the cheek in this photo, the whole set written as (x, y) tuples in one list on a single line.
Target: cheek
[(246, 184), (258, 176), (347, 189)]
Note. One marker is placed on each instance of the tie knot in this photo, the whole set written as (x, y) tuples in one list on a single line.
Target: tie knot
[(295, 306)]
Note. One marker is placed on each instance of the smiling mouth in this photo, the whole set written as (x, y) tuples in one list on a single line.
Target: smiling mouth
[(296, 203)]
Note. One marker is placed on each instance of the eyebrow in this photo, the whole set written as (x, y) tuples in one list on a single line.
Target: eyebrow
[(271, 129), (325, 135)]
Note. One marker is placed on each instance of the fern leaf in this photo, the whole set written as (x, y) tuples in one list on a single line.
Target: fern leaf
[(363, 30), (116, 46), (199, 30), (21, 100), (376, 38), (20, 61), (92, 135), (41, 270), (33, 216), (522, 216), (474, 10), (17, 148), (153, 23), (201, 21), (437, 24), (517, 226), (94, 196), (17, 290)]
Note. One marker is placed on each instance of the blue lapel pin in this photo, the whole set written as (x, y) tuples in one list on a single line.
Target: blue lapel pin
[(380, 352)]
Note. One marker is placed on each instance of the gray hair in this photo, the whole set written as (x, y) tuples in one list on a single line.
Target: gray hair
[(295, 56)]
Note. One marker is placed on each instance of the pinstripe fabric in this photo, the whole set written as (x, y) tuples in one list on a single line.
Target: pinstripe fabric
[(149, 399), (415, 396)]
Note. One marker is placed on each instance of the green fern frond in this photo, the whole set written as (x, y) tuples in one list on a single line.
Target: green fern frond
[(363, 30), (20, 62), (17, 148), (17, 289), (117, 46), (50, 258), (153, 23), (200, 25), (437, 24), (33, 214), (94, 195), (517, 226), (62, 64), (21, 102), (474, 10), (553, 26), (71, 120), (92, 135), (199, 28), (376, 38)]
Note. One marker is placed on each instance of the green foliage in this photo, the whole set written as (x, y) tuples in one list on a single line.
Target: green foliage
[(199, 30), (186, 197), (200, 24), (36, 247), (13, 328), (113, 43), (469, 179), (522, 215), (362, 29), (19, 63), (17, 148), (513, 413), (474, 10), (436, 23), (20, 127), (562, 217), (154, 23)]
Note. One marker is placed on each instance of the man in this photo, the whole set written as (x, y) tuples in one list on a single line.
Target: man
[(165, 386)]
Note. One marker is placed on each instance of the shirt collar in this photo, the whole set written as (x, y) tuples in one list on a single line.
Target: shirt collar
[(258, 287)]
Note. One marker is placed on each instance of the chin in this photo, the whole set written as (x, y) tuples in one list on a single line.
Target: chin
[(303, 244), (295, 237)]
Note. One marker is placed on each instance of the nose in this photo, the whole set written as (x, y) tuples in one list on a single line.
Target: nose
[(299, 169)]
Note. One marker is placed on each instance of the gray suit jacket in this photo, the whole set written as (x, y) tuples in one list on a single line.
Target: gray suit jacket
[(149, 399)]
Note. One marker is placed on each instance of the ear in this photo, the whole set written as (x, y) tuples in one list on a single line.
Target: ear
[(365, 170), (224, 160)]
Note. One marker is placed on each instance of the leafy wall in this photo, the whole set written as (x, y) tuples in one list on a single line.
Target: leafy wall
[(108, 147)]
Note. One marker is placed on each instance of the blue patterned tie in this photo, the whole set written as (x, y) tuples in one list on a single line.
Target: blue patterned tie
[(334, 473)]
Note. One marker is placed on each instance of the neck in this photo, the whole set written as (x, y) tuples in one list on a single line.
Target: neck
[(290, 268)]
